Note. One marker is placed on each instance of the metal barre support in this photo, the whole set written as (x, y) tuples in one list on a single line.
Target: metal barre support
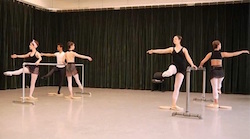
[(203, 96), (186, 113), (42, 64)]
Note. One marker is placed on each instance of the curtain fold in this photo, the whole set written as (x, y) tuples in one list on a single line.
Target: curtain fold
[(118, 40)]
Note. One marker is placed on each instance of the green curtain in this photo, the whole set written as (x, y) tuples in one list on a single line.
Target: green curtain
[(117, 40)]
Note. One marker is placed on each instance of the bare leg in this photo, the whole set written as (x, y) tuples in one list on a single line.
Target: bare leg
[(177, 85)]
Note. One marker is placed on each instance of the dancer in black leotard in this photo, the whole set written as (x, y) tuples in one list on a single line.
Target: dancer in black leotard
[(180, 55), (217, 72), (33, 57)]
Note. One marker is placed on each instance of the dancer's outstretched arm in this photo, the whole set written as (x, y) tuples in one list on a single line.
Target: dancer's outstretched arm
[(161, 51), (189, 59), (20, 56), (207, 57), (232, 54), (82, 56), (48, 54)]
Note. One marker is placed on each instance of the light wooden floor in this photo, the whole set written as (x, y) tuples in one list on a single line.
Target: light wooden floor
[(119, 114)]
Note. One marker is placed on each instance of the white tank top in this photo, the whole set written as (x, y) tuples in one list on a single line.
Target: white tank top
[(60, 59)]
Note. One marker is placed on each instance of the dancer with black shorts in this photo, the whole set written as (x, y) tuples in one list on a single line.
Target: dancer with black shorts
[(217, 72)]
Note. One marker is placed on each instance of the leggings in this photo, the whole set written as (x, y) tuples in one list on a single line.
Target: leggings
[(69, 78), (216, 86), (32, 80), (61, 76), (178, 80)]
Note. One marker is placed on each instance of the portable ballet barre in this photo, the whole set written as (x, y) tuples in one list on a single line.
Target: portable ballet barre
[(203, 96), (186, 113), (45, 64)]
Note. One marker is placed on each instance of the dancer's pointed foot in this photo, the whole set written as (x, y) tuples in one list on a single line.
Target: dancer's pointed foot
[(7, 73)]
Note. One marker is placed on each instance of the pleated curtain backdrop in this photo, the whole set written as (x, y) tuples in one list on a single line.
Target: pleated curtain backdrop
[(117, 40)]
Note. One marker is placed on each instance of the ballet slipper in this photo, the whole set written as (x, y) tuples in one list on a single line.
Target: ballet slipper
[(59, 95), (81, 87), (219, 91), (69, 97), (176, 108), (213, 105), (8, 73), (32, 98)]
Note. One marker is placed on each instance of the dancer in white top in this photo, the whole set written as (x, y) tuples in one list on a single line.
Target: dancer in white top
[(60, 67), (71, 68), (33, 57)]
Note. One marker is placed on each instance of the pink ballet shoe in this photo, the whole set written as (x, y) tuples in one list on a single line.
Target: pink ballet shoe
[(213, 105), (219, 91), (176, 108), (7, 73), (32, 98)]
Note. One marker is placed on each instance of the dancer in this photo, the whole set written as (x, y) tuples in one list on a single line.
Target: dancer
[(178, 67), (60, 67), (33, 57), (217, 72), (71, 68)]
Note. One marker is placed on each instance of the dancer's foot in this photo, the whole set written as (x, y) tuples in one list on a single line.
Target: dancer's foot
[(219, 91), (176, 108), (81, 87), (213, 105), (7, 73), (69, 96), (32, 98)]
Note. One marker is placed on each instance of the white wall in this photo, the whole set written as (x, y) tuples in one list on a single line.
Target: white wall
[(90, 4)]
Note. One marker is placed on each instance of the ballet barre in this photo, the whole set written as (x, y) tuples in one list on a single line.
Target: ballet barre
[(45, 64), (203, 96), (188, 72)]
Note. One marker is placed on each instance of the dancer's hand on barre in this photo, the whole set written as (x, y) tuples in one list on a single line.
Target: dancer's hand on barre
[(37, 62), (194, 66), (13, 56)]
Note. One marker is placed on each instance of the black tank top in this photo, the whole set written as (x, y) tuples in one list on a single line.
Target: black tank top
[(216, 55), (179, 60), (32, 59)]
